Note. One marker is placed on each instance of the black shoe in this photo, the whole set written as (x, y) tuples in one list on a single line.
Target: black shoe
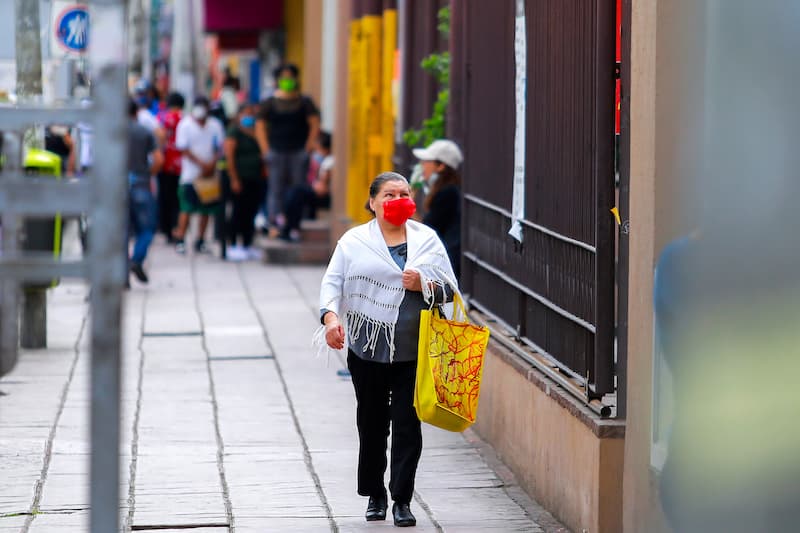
[(200, 246), (376, 508), (138, 271), (402, 515)]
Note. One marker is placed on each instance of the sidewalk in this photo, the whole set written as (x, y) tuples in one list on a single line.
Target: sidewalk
[(229, 421)]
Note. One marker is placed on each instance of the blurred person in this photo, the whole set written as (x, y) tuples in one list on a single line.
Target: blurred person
[(85, 141), (144, 161), (440, 162), (199, 137), (147, 96), (147, 119), (403, 266), (286, 128), (229, 95), (247, 181), (169, 177), (57, 139), (217, 110), (310, 197), (85, 162)]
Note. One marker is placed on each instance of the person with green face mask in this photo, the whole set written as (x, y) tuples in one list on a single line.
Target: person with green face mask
[(286, 129)]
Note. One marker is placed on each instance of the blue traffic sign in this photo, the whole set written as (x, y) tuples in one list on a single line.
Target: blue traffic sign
[(72, 28)]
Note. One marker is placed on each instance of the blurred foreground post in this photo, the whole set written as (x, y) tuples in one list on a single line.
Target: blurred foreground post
[(29, 87)]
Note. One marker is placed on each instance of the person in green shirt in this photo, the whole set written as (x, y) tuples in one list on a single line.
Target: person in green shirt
[(248, 183)]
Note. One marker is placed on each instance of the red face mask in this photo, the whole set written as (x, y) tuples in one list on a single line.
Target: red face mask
[(398, 211)]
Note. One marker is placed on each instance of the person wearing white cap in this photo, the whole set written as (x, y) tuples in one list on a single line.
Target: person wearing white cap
[(440, 162)]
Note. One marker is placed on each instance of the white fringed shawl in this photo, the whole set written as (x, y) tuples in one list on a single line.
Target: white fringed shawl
[(363, 284)]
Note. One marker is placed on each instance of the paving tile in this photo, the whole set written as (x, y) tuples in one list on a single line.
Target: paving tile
[(271, 485)]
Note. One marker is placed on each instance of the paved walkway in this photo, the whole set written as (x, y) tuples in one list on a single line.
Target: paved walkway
[(229, 422)]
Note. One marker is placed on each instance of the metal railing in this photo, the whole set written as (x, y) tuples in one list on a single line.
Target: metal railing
[(102, 196)]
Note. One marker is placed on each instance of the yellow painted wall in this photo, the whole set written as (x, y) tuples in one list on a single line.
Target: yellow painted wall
[(293, 23), (373, 41)]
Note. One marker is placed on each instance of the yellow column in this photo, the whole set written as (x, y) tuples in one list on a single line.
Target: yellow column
[(387, 96), (293, 14), (373, 41), (356, 156)]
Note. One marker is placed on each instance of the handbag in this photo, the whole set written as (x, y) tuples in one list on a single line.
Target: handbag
[(208, 189), (449, 369)]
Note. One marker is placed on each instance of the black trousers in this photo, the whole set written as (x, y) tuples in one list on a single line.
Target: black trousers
[(299, 200), (384, 397), (245, 207), (168, 207)]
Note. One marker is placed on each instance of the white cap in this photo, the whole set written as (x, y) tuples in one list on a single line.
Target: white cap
[(442, 150)]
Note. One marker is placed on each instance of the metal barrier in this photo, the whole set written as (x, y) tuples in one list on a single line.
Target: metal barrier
[(102, 195)]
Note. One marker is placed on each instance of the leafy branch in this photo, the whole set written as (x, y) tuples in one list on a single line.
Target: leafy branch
[(438, 66)]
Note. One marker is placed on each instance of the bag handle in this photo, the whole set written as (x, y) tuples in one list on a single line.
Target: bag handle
[(458, 303)]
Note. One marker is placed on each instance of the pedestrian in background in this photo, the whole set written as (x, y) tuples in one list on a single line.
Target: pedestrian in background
[(286, 128), (57, 139), (148, 107), (440, 162), (381, 275), (247, 181), (144, 161), (199, 138), (308, 197), (168, 178)]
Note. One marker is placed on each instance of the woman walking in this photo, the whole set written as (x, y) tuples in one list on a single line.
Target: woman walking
[(248, 185), (440, 162), (380, 276)]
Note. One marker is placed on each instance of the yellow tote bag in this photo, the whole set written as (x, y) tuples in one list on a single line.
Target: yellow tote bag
[(449, 370), (208, 188)]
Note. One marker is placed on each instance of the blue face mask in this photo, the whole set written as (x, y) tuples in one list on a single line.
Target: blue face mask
[(248, 121)]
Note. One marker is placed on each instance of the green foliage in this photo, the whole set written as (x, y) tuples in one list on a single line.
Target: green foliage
[(438, 66), (444, 22)]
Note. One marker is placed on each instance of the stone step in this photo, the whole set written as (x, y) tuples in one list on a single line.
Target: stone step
[(288, 253), (317, 231)]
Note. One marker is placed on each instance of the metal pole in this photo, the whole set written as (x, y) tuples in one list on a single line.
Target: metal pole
[(9, 231), (29, 86), (34, 319), (107, 260), (106, 249)]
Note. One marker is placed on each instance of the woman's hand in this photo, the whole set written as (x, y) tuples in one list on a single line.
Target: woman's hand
[(236, 186), (334, 332), (412, 281)]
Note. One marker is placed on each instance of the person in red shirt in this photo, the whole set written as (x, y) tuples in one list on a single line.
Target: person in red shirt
[(170, 174)]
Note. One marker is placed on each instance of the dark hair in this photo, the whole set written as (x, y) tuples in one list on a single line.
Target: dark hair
[(325, 140), (176, 99), (133, 107), (203, 101), (447, 176), (377, 184), (291, 67)]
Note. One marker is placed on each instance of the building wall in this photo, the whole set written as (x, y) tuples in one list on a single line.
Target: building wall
[(562, 454), (340, 221), (312, 49), (330, 31)]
